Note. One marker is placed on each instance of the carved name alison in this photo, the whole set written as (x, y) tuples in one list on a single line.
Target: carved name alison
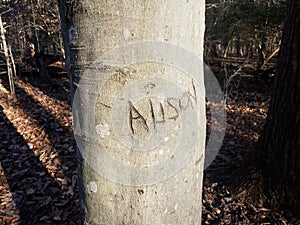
[(159, 112)]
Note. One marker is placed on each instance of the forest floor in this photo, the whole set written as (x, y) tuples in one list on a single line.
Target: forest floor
[(39, 170)]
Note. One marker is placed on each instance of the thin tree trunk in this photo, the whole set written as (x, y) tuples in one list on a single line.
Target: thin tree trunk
[(7, 58), (12, 62)]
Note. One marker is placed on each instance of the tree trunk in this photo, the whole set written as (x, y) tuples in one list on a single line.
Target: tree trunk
[(123, 108), (275, 170), (7, 58)]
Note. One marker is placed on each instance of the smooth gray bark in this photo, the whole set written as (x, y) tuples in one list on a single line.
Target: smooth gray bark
[(92, 28)]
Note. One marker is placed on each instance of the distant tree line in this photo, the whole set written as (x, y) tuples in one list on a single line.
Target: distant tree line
[(32, 22), (244, 28), (32, 29)]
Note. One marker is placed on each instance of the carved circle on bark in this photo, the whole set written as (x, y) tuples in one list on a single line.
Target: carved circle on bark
[(136, 113)]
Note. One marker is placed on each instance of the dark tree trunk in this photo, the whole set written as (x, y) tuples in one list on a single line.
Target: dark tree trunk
[(274, 176)]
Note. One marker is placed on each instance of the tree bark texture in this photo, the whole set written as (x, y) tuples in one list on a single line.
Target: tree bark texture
[(276, 165), (92, 28)]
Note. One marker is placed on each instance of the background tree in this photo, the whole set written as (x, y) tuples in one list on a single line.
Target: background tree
[(274, 177), (32, 21), (33, 31), (244, 28)]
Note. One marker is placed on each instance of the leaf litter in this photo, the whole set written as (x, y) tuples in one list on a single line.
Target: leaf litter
[(39, 170)]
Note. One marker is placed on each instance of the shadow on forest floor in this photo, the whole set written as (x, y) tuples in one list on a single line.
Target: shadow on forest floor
[(246, 108), (59, 89), (39, 173), (38, 159)]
